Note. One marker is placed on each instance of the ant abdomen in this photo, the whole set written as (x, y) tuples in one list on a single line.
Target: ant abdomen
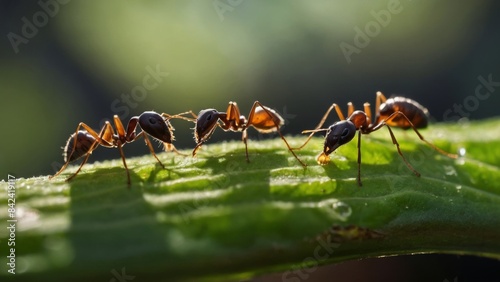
[(416, 113), (265, 120), (83, 143)]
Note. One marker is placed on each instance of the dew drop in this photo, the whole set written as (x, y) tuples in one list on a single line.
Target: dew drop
[(461, 156), (450, 170), (461, 152), (342, 209), (336, 208)]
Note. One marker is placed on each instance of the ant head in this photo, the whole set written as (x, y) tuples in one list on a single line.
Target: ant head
[(338, 134), (155, 126), (205, 124), (83, 140)]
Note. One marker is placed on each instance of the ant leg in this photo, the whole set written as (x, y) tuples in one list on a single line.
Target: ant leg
[(244, 138), (120, 130), (170, 147), (233, 116), (60, 170), (181, 116), (350, 109), (195, 150), (167, 117), (395, 142), (131, 128), (122, 134), (359, 158), (368, 111), (124, 162), (379, 100), (150, 146), (320, 124), (250, 118), (398, 113)]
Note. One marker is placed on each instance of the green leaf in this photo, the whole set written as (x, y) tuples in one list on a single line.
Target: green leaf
[(217, 216)]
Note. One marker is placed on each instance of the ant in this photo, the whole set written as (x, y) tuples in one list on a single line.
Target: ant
[(262, 118), (399, 112), (83, 142)]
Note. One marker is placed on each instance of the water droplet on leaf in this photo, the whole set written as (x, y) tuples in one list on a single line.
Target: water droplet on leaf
[(461, 152)]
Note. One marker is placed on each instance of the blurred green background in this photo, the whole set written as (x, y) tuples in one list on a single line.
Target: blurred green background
[(63, 63), (84, 58)]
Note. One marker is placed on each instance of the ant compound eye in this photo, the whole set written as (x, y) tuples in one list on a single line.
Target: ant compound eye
[(152, 120), (345, 132), (209, 117)]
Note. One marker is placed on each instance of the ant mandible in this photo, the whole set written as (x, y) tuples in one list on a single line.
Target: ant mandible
[(83, 142), (262, 118), (398, 112)]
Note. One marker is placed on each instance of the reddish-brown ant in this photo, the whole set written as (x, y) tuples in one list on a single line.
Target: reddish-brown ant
[(262, 118), (398, 112), (83, 142)]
